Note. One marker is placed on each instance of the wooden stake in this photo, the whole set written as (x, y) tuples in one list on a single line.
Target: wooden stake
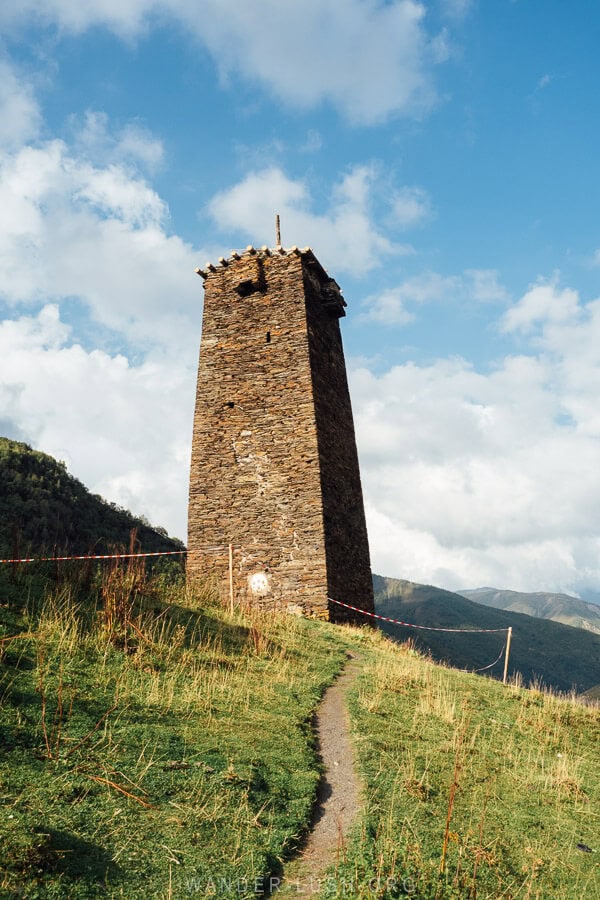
[(508, 639), (231, 578), (277, 232)]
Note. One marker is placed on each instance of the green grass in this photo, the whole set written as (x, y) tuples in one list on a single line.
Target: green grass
[(472, 789), (154, 745), (148, 761)]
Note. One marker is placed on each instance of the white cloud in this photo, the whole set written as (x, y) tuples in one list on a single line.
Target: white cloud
[(126, 17), (543, 302), (96, 141), (91, 408), (368, 59), (483, 286), (531, 566), (19, 113), (490, 478), (98, 234), (393, 305), (390, 307), (346, 236), (112, 192), (411, 206)]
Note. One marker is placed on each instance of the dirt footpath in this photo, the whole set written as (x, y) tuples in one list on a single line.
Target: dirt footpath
[(338, 798)]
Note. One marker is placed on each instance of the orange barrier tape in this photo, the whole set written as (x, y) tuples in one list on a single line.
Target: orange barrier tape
[(410, 625), (104, 556)]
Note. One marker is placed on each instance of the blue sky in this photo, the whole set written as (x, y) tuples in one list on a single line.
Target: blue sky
[(440, 158)]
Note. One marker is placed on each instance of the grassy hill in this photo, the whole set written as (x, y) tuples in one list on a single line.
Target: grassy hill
[(155, 745), (46, 511), (558, 607), (168, 751), (562, 657)]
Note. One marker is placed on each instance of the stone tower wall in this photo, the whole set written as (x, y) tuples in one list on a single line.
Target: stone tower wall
[(346, 545), (274, 465)]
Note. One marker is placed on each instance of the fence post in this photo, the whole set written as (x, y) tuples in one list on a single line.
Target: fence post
[(231, 578), (508, 639)]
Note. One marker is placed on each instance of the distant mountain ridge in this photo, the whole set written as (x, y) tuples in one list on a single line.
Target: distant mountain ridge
[(540, 604), (46, 511), (562, 657)]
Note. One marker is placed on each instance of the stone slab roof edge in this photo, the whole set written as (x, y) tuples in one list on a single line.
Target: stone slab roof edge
[(263, 252)]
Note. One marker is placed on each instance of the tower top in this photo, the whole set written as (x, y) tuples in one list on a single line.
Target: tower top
[(264, 252), (257, 252), (330, 289)]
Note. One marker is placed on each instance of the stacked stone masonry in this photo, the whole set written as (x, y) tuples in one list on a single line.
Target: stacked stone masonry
[(274, 463)]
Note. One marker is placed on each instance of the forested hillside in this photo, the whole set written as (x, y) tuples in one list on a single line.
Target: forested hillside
[(44, 510)]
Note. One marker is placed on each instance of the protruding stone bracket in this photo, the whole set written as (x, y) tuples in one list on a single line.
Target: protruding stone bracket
[(333, 301)]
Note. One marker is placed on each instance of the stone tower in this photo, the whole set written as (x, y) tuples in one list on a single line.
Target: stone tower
[(274, 464)]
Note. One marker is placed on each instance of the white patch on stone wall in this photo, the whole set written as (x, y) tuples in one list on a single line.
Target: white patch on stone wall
[(259, 584)]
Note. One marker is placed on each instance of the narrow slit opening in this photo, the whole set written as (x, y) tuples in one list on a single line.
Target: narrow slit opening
[(268, 337)]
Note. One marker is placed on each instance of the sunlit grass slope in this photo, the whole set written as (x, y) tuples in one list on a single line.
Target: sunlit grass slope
[(151, 753), (155, 745), (472, 789)]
